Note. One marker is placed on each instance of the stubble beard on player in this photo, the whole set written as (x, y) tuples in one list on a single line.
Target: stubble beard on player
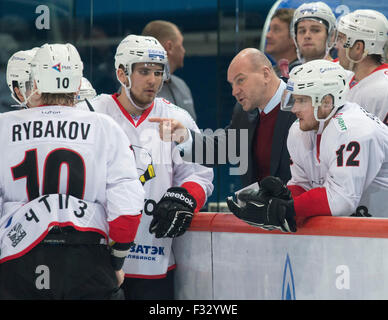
[(345, 64), (142, 103), (313, 54)]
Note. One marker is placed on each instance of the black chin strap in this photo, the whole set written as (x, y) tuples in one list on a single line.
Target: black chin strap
[(89, 105)]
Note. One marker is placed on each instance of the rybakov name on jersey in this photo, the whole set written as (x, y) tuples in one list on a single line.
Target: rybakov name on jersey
[(60, 129)]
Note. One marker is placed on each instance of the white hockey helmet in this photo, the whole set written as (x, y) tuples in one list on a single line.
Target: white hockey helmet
[(19, 73), (370, 26), (318, 11), (57, 68), (140, 49), (86, 91), (317, 79)]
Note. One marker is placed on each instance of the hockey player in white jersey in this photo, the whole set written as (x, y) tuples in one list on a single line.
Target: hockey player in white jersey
[(19, 77), (175, 190), (338, 152), (69, 186), (362, 35), (313, 29)]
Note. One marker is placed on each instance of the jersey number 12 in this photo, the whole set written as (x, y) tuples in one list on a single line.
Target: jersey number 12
[(354, 147)]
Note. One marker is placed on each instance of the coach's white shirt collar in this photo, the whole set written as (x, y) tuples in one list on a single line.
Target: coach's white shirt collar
[(276, 98)]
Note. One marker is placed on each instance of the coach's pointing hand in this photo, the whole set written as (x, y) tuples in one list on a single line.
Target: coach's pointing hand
[(171, 130)]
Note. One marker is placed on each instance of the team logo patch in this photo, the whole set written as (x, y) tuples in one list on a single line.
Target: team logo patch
[(290, 86), (311, 9), (16, 234), (156, 54), (57, 67), (340, 123), (323, 70), (144, 164)]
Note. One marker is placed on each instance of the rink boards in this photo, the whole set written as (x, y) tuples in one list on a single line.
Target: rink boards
[(222, 258)]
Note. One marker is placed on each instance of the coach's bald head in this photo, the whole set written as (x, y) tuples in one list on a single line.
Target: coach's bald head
[(253, 79)]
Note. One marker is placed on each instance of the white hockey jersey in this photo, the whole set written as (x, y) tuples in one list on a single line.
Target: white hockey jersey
[(371, 93), (349, 159), (62, 166), (159, 168)]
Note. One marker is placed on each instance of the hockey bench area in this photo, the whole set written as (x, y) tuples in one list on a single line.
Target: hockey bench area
[(223, 258)]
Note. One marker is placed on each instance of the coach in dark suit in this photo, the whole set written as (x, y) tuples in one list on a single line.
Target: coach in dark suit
[(258, 128), (279, 159)]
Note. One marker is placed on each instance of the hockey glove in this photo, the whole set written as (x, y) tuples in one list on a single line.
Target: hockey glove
[(277, 214), (173, 213), (273, 187)]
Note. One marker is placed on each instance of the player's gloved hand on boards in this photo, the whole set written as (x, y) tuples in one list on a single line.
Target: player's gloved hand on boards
[(173, 213), (276, 214), (273, 187)]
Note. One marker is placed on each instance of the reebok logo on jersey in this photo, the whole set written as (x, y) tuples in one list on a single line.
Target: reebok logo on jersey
[(179, 196)]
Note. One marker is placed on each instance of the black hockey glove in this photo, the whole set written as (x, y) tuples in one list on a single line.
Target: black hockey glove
[(173, 213), (277, 214), (272, 187)]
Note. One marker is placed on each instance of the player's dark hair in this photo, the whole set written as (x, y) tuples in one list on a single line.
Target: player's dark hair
[(377, 58), (15, 84)]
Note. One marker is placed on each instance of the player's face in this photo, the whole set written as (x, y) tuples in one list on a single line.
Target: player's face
[(311, 38), (248, 84), (278, 38), (146, 79), (355, 52), (304, 111)]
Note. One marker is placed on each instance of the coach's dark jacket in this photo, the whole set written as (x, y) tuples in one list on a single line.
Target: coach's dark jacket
[(280, 158)]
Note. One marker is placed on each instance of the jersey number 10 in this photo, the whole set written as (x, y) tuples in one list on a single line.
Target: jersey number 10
[(28, 169)]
